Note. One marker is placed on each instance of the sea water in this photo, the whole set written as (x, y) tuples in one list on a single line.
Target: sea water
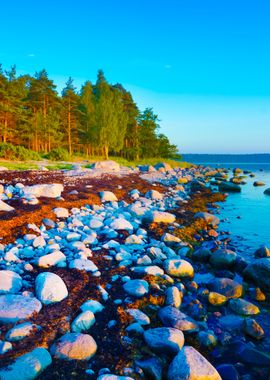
[(246, 215)]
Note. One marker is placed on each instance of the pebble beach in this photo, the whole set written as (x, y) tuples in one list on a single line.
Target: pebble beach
[(115, 273)]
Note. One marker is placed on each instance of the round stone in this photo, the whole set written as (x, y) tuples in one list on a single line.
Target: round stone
[(74, 346), (50, 288), (10, 282), (14, 308)]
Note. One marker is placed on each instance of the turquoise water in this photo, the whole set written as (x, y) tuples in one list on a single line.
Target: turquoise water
[(247, 214)]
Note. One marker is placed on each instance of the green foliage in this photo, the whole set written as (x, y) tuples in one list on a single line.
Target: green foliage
[(58, 154), (100, 119), (18, 165), (59, 167), (12, 152)]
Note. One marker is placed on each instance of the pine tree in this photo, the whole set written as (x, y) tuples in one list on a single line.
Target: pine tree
[(131, 140), (41, 98), (111, 120), (148, 126), (70, 102), (87, 132)]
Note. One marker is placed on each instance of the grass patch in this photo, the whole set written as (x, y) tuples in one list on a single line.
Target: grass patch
[(18, 165), (59, 166)]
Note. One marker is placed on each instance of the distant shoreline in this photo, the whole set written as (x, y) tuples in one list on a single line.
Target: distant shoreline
[(260, 158)]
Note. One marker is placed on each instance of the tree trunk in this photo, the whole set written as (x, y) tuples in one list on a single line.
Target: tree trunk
[(69, 129), (5, 130), (106, 152)]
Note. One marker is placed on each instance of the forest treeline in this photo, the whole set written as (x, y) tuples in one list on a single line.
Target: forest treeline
[(99, 119)]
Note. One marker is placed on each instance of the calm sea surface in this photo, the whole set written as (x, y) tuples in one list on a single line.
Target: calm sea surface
[(247, 214)]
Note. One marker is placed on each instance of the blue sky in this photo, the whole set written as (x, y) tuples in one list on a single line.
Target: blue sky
[(204, 66)]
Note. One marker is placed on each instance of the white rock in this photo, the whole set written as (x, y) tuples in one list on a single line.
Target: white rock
[(107, 196), (61, 212), (189, 364), (136, 288), (164, 340), (139, 316), (154, 194), (154, 270), (5, 207), (133, 239), (121, 224), (20, 331), (10, 282), (92, 305), (51, 259), (169, 238), (74, 346), (53, 190), (5, 347), (82, 264), (14, 308), (39, 242), (83, 322), (95, 223), (173, 297), (158, 217), (10, 256), (178, 268), (107, 165), (50, 288), (27, 366)]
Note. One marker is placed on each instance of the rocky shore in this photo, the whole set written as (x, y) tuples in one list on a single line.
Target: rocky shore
[(118, 273)]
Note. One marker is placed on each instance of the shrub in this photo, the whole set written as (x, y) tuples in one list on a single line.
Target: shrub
[(20, 153), (58, 154)]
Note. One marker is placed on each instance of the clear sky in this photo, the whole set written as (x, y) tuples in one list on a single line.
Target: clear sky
[(203, 65)]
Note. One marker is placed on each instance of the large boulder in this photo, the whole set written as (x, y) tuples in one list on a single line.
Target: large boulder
[(136, 288), (52, 190), (229, 187), (28, 366), (223, 258), (107, 166), (74, 346), (50, 288), (209, 218), (158, 217), (259, 272), (227, 287), (10, 282), (172, 317), (164, 340), (243, 307), (178, 268), (189, 364), (261, 252), (14, 308), (51, 259)]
